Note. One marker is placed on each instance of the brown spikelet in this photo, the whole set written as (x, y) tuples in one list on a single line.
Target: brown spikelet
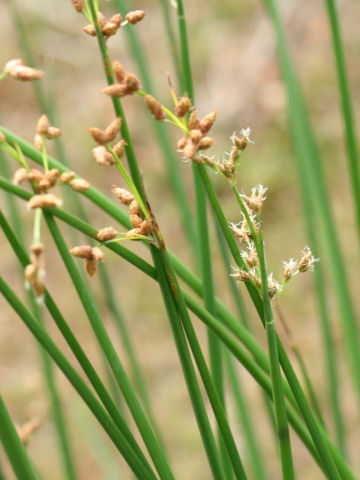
[(154, 106), (43, 125), (135, 16), (194, 121), (113, 129), (205, 143), (123, 195), (98, 135), (183, 106), (66, 177), (89, 30), (38, 142), (119, 71), (81, 251), (46, 200), (207, 122), (53, 133), (79, 5), (79, 184), (107, 233), (117, 90), (119, 148), (20, 176), (102, 156)]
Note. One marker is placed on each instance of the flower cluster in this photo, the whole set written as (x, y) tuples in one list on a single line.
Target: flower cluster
[(90, 255), (126, 83), (103, 138), (140, 226), (35, 271), (16, 69)]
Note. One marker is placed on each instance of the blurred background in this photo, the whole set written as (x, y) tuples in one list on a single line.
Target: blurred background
[(233, 56)]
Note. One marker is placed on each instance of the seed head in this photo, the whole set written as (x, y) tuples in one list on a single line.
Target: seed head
[(98, 135), (119, 148), (250, 255), (273, 286), (52, 175), (20, 176), (242, 142), (119, 71), (194, 121), (81, 251), (43, 125), (154, 106), (66, 177), (306, 263), (207, 122), (79, 5), (183, 106), (107, 233), (241, 275), (135, 16), (102, 156), (46, 200), (256, 199), (79, 184), (113, 129), (53, 133), (19, 71), (290, 268), (123, 195), (205, 143)]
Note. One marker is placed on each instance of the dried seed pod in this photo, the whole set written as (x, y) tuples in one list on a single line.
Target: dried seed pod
[(182, 143), (52, 175), (123, 195), (26, 74), (46, 200), (154, 106), (119, 71), (135, 220), (79, 184), (107, 233), (38, 142), (134, 207), (135, 16), (53, 133), (205, 143), (102, 156), (20, 176), (44, 185), (43, 125), (89, 30), (79, 5), (82, 251), (117, 90), (194, 121), (26, 430), (35, 176), (98, 135), (183, 106), (65, 177), (30, 272), (132, 83), (113, 129), (12, 64), (91, 266), (119, 148), (97, 253), (207, 122), (195, 135)]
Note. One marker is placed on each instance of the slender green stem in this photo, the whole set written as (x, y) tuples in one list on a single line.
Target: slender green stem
[(275, 372), (74, 378), (13, 446), (257, 464), (106, 345), (312, 171), (74, 345), (186, 274), (346, 106)]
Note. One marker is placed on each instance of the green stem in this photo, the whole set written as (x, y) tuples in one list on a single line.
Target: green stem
[(275, 372), (74, 345), (79, 385), (106, 345), (13, 446), (346, 107)]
